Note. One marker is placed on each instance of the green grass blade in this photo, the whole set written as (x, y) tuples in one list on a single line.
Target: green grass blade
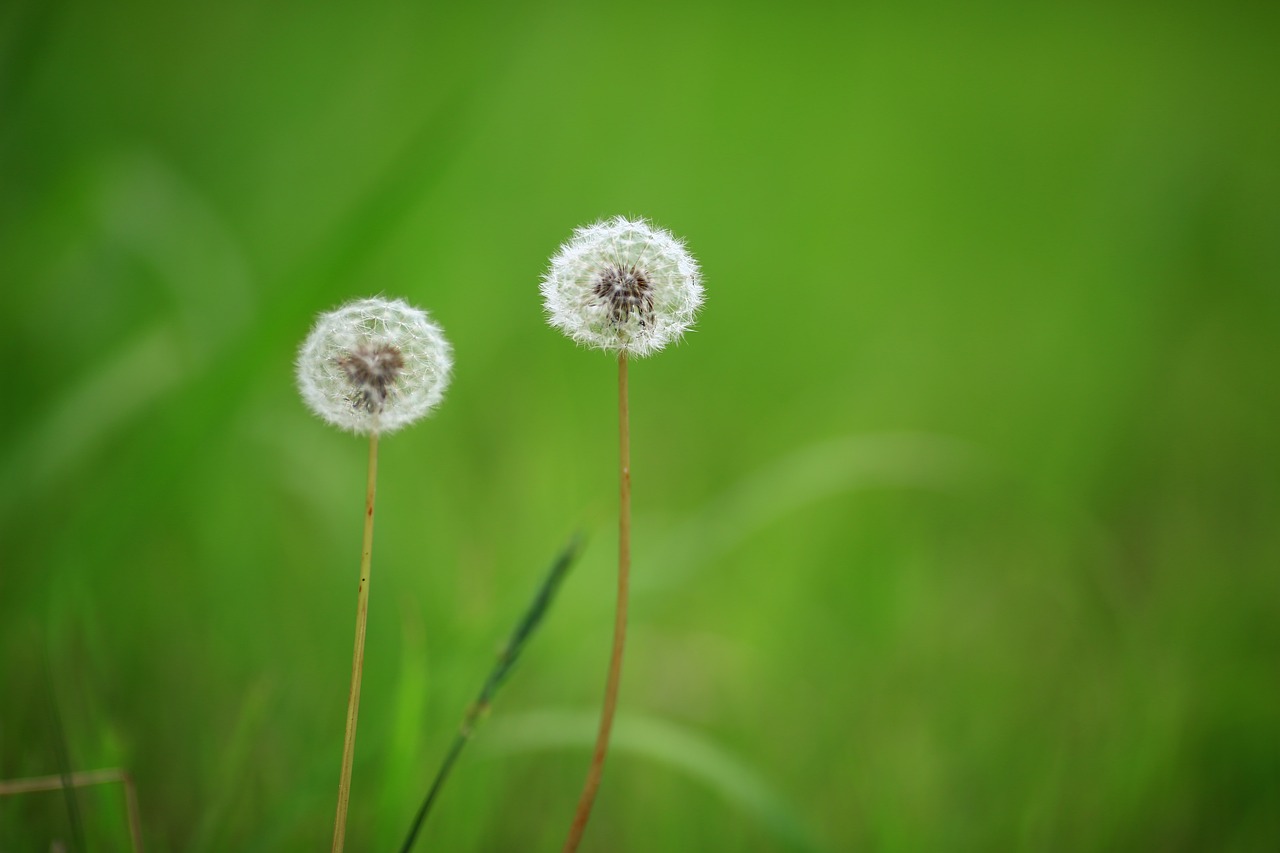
[(63, 759), (501, 671)]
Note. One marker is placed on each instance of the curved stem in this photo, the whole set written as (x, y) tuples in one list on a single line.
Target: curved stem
[(80, 779), (588, 797), (357, 662)]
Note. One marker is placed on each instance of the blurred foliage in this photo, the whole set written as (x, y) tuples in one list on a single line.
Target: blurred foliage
[(956, 517)]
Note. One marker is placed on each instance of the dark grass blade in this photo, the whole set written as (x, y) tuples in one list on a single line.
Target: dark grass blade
[(63, 761), (501, 670)]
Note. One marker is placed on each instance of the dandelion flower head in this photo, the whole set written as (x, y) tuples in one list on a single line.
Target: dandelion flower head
[(374, 365), (623, 285)]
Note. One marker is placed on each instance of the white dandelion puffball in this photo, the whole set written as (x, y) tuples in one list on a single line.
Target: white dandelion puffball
[(374, 365), (623, 285)]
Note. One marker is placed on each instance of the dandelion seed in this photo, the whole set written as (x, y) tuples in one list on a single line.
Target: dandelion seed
[(623, 285), (374, 365), (371, 366), (627, 287)]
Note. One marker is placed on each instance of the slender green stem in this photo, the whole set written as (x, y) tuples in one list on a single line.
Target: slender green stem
[(587, 800), (357, 661), (501, 669), (64, 762)]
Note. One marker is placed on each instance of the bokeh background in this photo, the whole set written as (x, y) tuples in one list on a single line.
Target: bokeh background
[(956, 518)]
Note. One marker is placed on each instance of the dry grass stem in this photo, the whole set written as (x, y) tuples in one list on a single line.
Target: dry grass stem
[(82, 779)]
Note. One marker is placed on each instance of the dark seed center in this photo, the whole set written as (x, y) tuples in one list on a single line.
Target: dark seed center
[(371, 370), (626, 290)]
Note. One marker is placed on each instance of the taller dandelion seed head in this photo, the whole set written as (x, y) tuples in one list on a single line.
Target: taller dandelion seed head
[(623, 285), (374, 365)]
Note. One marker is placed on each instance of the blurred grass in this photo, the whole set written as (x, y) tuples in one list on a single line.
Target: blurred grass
[(1041, 238), (666, 744)]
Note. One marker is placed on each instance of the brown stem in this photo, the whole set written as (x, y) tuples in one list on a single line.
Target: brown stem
[(592, 785), (357, 662)]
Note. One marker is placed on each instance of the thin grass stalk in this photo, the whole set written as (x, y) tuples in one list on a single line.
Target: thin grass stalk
[(501, 669), (357, 661), (81, 779), (594, 773), (63, 760), (132, 811)]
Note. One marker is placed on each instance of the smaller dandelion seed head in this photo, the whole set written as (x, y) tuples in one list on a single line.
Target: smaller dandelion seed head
[(623, 285), (374, 365)]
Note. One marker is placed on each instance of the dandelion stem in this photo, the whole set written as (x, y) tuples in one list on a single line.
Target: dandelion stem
[(594, 773), (357, 661)]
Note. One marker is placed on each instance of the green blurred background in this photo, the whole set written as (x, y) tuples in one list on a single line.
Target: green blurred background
[(955, 518)]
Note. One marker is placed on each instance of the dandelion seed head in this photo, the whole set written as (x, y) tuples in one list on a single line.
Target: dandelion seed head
[(623, 285), (374, 365)]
